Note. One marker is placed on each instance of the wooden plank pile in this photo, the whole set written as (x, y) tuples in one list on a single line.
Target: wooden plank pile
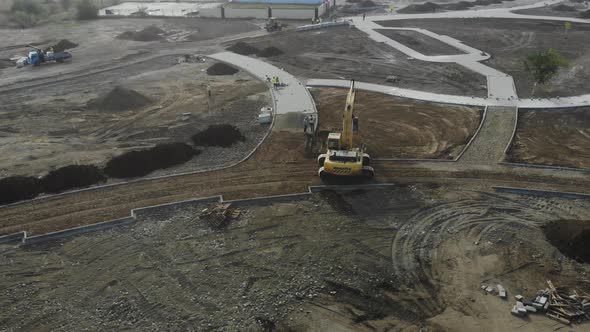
[(219, 215), (557, 304)]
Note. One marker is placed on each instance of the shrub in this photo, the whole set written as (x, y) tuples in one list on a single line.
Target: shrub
[(25, 20), (142, 162), (18, 188), (87, 10), (66, 4), (27, 6), (70, 177)]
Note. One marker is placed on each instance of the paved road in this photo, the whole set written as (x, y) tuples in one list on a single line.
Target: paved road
[(291, 101), (453, 99)]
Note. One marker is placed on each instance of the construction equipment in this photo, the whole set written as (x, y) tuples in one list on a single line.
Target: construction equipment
[(39, 56), (341, 157), (218, 215), (273, 25)]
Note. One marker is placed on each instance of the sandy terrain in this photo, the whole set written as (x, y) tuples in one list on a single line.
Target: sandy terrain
[(400, 128), (510, 41), (406, 258), (57, 126), (342, 52), (552, 137)]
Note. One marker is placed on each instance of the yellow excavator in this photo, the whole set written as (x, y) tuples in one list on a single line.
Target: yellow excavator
[(341, 157)]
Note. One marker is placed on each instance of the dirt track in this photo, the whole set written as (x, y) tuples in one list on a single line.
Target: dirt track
[(342, 52), (553, 137), (420, 42), (510, 41), (401, 128)]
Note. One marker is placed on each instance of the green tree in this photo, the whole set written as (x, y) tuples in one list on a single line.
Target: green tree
[(543, 65), (87, 10)]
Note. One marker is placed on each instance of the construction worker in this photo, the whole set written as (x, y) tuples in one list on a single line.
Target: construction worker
[(311, 123), (305, 123)]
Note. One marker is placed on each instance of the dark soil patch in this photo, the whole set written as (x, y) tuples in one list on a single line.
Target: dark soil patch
[(142, 162), (5, 64), (563, 8), (221, 69), (585, 14), (367, 3), (427, 7), (269, 52), (223, 135), (70, 177), (571, 238), (151, 33), (243, 48), (63, 45), (120, 99), (461, 5), (18, 188), (420, 42)]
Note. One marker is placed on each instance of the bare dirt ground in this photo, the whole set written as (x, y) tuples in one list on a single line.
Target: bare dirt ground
[(552, 137), (401, 128), (99, 46), (342, 52), (510, 41), (420, 42), (58, 124), (562, 9), (406, 258)]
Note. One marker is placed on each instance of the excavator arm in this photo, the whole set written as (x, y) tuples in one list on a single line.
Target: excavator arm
[(347, 121)]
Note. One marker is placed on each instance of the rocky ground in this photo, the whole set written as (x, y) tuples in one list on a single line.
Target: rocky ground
[(409, 257)]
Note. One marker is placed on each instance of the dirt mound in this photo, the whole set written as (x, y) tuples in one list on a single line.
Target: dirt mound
[(151, 33), (367, 3), (142, 162), (270, 51), (120, 99), (223, 135), (585, 14), (63, 45), (563, 8), (243, 48), (70, 177), (221, 69), (461, 5), (571, 238), (427, 7), (18, 188)]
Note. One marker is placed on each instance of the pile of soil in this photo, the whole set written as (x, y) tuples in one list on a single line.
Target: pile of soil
[(563, 8), (461, 5), (151, 33), (427, 7), (142, 162), (367, 3), (585, 14), (223, 135), (571, 238), (18, 188), (63, 45), (269, 52), (221, 69), (120, 99), (243, 48), (70, 177)]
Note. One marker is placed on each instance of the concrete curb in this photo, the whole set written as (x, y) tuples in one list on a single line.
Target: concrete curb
[(322, 25), (78, 230), (507, 148), (543, 193), (557, 168), (13, 238), (21, 237)]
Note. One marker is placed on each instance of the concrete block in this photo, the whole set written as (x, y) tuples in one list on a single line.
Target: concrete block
[(518, 297), (530, 308)]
